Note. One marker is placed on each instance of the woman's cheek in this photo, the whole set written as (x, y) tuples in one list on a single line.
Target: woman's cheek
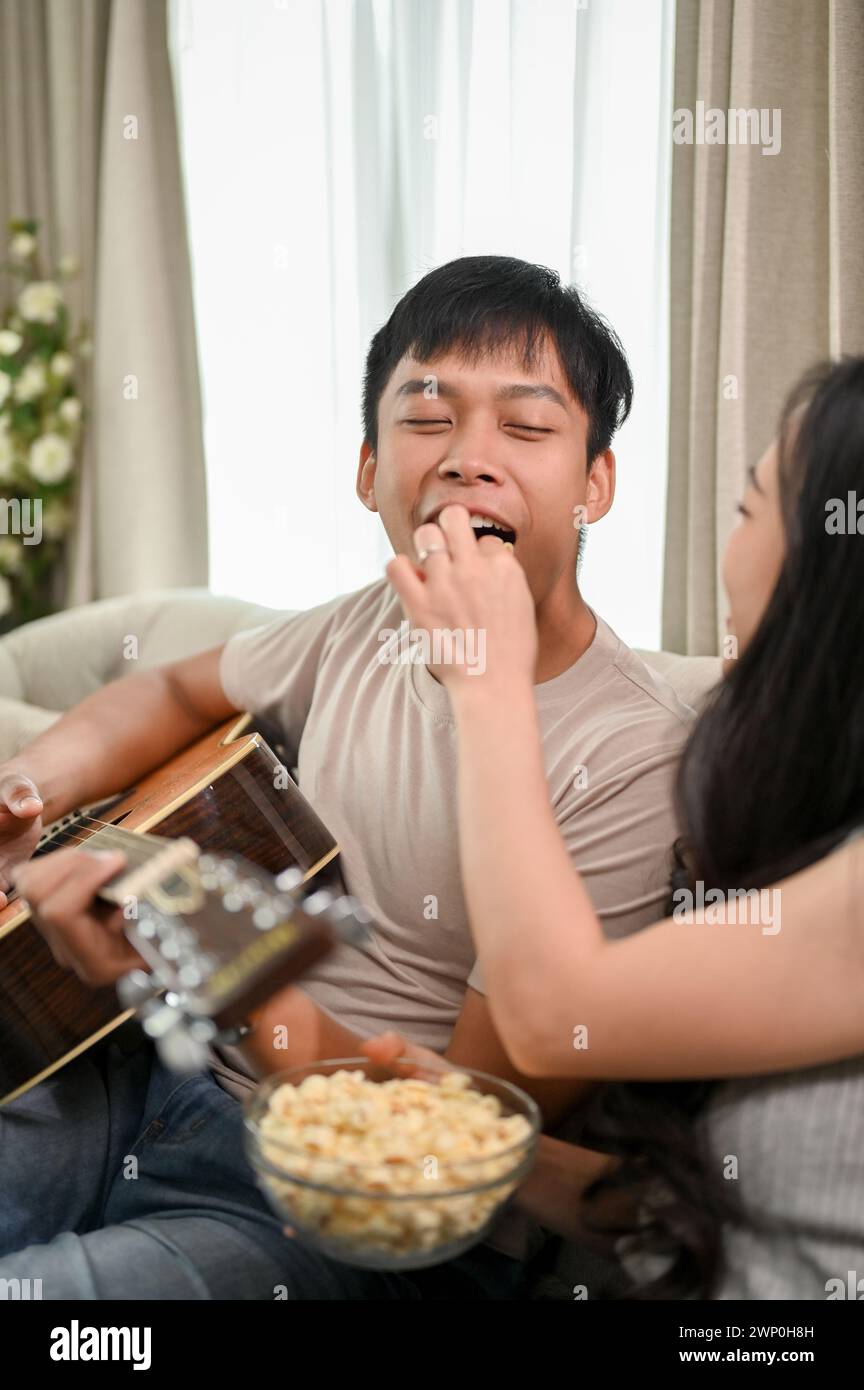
[(730, 646)]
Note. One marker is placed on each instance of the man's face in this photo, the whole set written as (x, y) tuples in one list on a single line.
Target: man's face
[(510, 445)]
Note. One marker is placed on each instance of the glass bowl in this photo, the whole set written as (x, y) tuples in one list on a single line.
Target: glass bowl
[(407, 1211)]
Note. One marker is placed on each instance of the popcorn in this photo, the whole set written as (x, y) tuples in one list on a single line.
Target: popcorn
[(367, 1147)]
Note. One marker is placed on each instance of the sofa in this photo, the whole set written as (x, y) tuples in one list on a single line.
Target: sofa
[(47, 666)]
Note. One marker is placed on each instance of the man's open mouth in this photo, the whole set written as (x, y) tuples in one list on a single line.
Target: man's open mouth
[(485, 526)]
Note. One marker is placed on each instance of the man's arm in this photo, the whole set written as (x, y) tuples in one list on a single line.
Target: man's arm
[(553, 1191), (122, 731), (291, 1030), (104, 743), (476, 1043)]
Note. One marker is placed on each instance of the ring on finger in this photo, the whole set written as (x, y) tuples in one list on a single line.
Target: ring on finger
[(423, 555)]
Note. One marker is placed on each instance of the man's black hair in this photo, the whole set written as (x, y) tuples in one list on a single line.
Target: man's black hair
[(481, 305)]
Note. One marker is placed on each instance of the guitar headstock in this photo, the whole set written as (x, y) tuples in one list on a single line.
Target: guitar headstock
[(220, 935)]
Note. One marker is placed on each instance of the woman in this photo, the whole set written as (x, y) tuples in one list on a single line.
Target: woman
[(753, 1188)]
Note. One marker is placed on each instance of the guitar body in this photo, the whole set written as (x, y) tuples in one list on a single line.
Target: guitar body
[(230, 794)]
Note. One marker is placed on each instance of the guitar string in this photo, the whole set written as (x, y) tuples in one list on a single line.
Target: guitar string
[(94, 820), (138, 848), (70, 831), (67, 837), (99, 825)]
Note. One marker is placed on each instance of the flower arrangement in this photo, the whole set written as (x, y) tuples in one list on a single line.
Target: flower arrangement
[(40, 425)]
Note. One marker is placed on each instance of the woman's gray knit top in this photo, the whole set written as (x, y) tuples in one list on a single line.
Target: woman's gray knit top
[(793, 1145)]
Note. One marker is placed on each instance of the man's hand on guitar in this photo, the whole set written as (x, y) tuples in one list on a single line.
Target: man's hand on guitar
[(84, 936), (20, 825)]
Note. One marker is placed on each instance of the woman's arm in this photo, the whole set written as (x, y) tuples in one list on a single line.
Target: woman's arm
[(675, 1000), (678, 999)]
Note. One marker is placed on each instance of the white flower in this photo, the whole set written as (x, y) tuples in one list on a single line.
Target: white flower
[(70, 410), (69, 266), (39, 301), (22, 246), (5, 387), (11, 555), (55, 520), (7, 456), (32, 381), (62, 364), (5, 596), (50, 458), (9, 342)]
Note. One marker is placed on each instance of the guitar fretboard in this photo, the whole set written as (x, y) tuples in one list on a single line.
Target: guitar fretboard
[(149, 858)]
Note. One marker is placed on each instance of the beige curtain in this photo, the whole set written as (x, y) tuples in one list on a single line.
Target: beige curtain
[(767, 272), (89, 147)]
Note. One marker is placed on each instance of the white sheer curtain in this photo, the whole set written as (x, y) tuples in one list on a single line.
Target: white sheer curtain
[(336, 150)]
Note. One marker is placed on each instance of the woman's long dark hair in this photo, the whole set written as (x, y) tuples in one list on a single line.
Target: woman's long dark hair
[(771, 779)]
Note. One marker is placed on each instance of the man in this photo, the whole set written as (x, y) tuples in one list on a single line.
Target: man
[(493, 387)]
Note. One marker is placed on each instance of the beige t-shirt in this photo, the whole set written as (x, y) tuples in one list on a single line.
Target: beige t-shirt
[(376, 755)]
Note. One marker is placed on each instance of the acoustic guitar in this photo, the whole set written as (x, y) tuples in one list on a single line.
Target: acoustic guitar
[(219, 932)]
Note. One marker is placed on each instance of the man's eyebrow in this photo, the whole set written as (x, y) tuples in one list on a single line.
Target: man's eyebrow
[(417, 386), (753, 480)]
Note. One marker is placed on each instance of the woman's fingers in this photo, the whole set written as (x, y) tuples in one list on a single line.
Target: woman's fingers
[(492, 547), (430, 544), (455, 524), (408, 584)]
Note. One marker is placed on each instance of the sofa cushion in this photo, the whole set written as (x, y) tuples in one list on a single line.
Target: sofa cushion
[(53, 663), (56, 661), (19, 723), (691, 677)]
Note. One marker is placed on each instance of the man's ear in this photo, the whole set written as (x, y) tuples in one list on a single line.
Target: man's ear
[(366, 477), (600, 492)]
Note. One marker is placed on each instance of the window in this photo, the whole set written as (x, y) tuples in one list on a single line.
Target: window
[(334, 151)]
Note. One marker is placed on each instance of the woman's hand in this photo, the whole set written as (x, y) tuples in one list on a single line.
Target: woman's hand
[(474, 595)]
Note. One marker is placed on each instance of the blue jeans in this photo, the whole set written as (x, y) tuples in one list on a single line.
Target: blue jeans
[(122, 1180)]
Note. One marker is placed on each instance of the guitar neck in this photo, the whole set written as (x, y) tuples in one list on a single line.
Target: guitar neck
[(214, 934), (216, 928)]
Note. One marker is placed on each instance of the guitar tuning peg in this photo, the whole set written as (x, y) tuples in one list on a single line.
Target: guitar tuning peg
[(180, 1050), (288, 880), (317, 903), (182, 1043), (350, 918), (136, 989)]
